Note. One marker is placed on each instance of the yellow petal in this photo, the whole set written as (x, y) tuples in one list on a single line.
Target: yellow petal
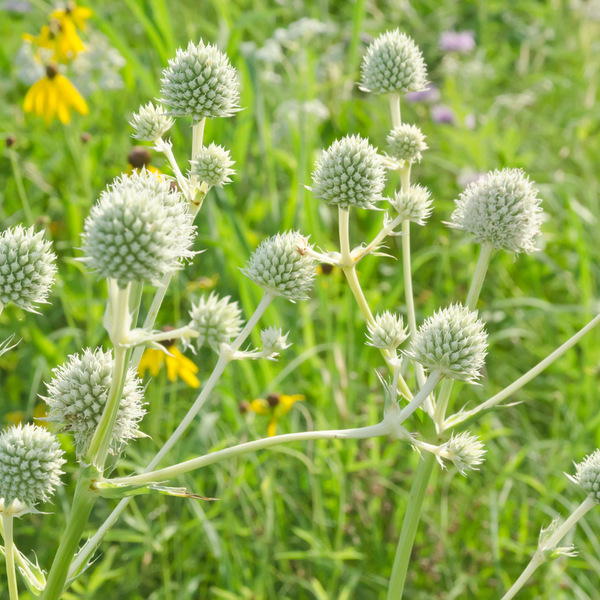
[(153, 360), (272, 428), (172, 367), (71, 95), (40, 97), (64, 112), (189, 378), (30, 97), (260, 406), (80, 15), (286, 402), (51, 103), (184, 362)]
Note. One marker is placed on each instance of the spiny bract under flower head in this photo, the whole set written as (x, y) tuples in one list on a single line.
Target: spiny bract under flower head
[(27, 267), (77, 396), (387, 332), (216, 320), (213, 165), (282, 266), (349, 173), (273, 340), (501, 209), (413, 205), (200, 83), (454, 341), (588, 475), (151, 123), (393, 63), (137, 232), (30, 462), (406, 142), (465, 451)]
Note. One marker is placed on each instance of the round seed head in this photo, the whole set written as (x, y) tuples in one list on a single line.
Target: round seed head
[(349, 173), (588, 475), (465, 451), (77, 396), (151, 123), (413, 204), (273, 340), (501, 209), (200, 83), (30, 464), (27, 267), (406, 142), (138, 231), (393, 63), (388, 331), (213, 165), (452, 340), (282, 266), (217, 320)]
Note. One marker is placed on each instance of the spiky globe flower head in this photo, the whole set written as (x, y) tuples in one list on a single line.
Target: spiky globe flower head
[(588, 475), (273, 340), (282, 266), (143, 180), (138, 232), (213, 165), (393, 63), (387, 332), (216, 320), (413, 204), (454, 341), (406, 142), (200, 83), (349, 173), (502, 209), (465, 451), (151, 123), (27, 267), (30, 464), (77, 396)]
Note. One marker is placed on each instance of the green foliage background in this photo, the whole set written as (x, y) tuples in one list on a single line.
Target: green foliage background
[(322, 520)]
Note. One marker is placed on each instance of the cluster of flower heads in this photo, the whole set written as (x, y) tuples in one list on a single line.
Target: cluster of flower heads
[(212, 165), (406, 143), (217, 320), (387, 331), (151, 123), (413, 204)]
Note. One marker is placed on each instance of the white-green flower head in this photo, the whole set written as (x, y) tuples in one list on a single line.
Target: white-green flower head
[(387, 332), (77, 396), (454, 341), (282, 266), (136, 234), (349, 173), (200, 83), (393, 63), (150, 123), (501, 209), (273, 340), (143, 180), (27, 268), (213, 165), (406, 143), (30, 464), (465, 451), (588, 475), (413, 204), (217, 320)]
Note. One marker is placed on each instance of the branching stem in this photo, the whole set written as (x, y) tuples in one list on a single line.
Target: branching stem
[(9, 551)]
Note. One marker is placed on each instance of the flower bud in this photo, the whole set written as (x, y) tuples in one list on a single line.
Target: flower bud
[(273, 340), (387, 332), (216, 320), (406, 142), (78, 393), (30, 464), (282, 266), (393, 63), (588, 475), (453, 341), (27, 267), (413, 204), (200, 83), (349, 173), (465, 451), (501, 209), (150, 123), (213, 165)]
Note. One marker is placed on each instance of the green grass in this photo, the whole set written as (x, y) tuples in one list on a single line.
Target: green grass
[(321, 520)]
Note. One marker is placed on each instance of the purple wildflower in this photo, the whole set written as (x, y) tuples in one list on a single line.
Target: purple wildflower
[(457, 41), (442, 114), (429, 94)]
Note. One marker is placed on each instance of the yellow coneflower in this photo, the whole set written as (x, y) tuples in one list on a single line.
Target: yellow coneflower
[(77, 15), (177, 365), (276, 405), (60, 37), (54, 95)]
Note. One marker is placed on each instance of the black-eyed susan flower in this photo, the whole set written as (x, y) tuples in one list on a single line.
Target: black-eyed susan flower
[(71, 13), (60, 37), (139, 158), (177, 365), (54, 95), (276, 405)]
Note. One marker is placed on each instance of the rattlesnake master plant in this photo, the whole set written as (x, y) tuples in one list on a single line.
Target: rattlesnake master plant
[(273, 340), (387, 331), (77, 397), (30, 465), (213, 165), (27, 268), (406, 143), (588, 475), (217, 320), (151, 123), (413, 204), (466, 452)]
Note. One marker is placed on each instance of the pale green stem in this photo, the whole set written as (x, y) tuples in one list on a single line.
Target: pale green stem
[(539, 557), (1, 308), (359, 253), (162, 336), (209, 459), (395, 109), (524, 379), (14, 162), (430, 384), (409, 526), (9, 551), (197, 137), (167, 150)]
